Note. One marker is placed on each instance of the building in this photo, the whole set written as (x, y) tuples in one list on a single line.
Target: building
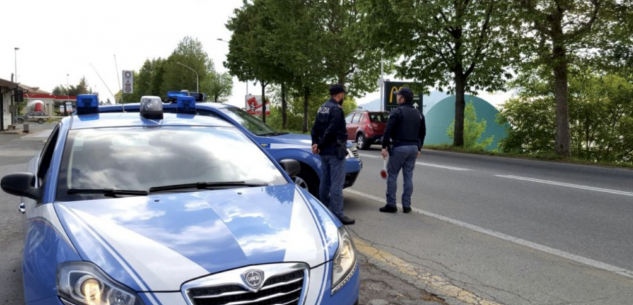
[(7, 108), (53, 104)]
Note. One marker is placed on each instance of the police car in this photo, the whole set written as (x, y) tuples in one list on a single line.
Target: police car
[(280, 145), (173, 208)]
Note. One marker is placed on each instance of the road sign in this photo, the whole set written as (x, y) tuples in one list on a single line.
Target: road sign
[(128, 81), (391, 88), (254, 105)]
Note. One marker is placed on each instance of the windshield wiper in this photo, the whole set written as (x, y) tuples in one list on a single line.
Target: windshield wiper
[(108, 192), (204, 186), (272, 133)]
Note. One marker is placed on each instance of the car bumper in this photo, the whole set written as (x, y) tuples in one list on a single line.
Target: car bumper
[(350, 179)]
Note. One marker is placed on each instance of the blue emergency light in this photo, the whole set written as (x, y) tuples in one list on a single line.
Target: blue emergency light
[(87, 104), (151, 107), (172, 95), (186, 104)]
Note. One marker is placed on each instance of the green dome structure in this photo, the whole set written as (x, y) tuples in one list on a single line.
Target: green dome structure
[(442, 114)]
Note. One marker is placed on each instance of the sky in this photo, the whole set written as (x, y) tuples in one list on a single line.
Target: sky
[(68, 37)]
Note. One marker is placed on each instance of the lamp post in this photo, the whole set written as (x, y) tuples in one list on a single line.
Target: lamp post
[(67, 95), (194, 71), (16, 49), (222, 40)]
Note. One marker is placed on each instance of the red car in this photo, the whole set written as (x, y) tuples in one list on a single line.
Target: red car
[(366, 127)]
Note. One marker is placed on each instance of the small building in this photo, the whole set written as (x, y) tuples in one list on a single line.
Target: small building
[(7, 108), (52, 103)]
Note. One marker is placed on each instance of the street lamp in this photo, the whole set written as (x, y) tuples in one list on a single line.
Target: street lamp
[(16, 64), (222, 40), (67, 94), (194, 71)]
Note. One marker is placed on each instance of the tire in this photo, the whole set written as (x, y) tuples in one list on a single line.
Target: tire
[(41, 121), (307, 181), (362, 142), (20, 121)]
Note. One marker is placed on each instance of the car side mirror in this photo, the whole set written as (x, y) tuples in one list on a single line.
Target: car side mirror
[(21, 184), (292, 167)]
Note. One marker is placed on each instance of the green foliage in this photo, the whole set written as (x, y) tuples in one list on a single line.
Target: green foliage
[(189, 52), (73, 90), (454, 44), (601, 117), (472, 130), (217, 86)]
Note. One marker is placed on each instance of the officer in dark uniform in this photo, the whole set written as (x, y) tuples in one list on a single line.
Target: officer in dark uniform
[(402, 142), (329, 137)]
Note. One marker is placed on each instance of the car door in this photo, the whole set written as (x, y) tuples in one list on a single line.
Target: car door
[(348, 125)]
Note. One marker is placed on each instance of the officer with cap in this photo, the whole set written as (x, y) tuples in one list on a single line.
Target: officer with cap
[(329, 137), (402, 142)]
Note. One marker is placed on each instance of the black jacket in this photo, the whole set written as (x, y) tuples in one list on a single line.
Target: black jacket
[(406, 126), (329, 131)]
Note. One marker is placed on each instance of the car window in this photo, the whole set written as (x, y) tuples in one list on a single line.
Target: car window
[(379, 117), (348, 119), (356, 118), (46, 156), (136, 158), (253, 124)]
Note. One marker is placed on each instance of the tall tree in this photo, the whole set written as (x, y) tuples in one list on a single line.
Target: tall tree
[(189, 53), (461, 45), (557, 31), (217, 86)]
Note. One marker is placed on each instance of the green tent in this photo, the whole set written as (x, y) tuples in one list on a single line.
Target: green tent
[(442, 114)]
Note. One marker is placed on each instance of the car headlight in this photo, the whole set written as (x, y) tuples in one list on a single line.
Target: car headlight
[(83, 283), (344, 265)]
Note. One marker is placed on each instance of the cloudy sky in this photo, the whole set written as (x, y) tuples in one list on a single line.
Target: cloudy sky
[(63, 37)]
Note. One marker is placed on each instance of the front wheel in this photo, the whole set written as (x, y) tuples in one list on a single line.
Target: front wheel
[(20, 121), (307, 181), (362, 142), (41, 121)]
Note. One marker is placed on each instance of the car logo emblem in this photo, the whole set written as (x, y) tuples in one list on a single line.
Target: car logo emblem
[(254, 279)]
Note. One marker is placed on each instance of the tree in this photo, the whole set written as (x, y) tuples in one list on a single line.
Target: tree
[(189, 52), (472, 130), (81, 88), (217, 86), (556, 31), (458, 44)]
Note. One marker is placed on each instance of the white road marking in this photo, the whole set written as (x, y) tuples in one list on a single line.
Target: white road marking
[(576, 186), (423, 163), (522, 242)]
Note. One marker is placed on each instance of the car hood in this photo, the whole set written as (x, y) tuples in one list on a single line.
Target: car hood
[(293, 140), (158, 242)]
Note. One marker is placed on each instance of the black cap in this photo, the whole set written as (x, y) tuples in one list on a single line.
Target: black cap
[(336, 89), (406, 93)]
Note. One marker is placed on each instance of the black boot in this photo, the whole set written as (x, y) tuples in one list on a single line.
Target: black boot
[(389, 209), (406, 210), (346, 220)]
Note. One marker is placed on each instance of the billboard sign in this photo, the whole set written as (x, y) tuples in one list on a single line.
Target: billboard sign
[(391, 88), (254, 105)]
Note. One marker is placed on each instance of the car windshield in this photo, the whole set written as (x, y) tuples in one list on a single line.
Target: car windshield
[(253, 124), (379, 117), (136, 159)]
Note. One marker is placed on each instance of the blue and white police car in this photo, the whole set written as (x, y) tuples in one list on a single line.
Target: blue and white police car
[(278, 144), (173, 208)]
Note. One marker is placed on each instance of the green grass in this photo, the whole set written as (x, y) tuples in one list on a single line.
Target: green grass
[(542, 157)]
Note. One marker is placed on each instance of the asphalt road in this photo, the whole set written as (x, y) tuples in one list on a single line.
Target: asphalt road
[(513, 231)]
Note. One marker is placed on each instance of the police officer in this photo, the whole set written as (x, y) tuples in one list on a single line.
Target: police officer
[(402, 142), (329, 137)]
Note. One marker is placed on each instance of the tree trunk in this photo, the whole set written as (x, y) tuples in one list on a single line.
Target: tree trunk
[(460, 105), (563, 137), (284, 106), (263, 101), (306, 96)]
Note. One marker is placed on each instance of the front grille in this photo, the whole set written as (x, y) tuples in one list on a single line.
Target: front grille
[(282, 289)]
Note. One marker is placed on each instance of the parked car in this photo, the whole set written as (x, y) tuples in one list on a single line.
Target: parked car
[(153, 208), (366, 127), (279, 145), (33, 116)]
